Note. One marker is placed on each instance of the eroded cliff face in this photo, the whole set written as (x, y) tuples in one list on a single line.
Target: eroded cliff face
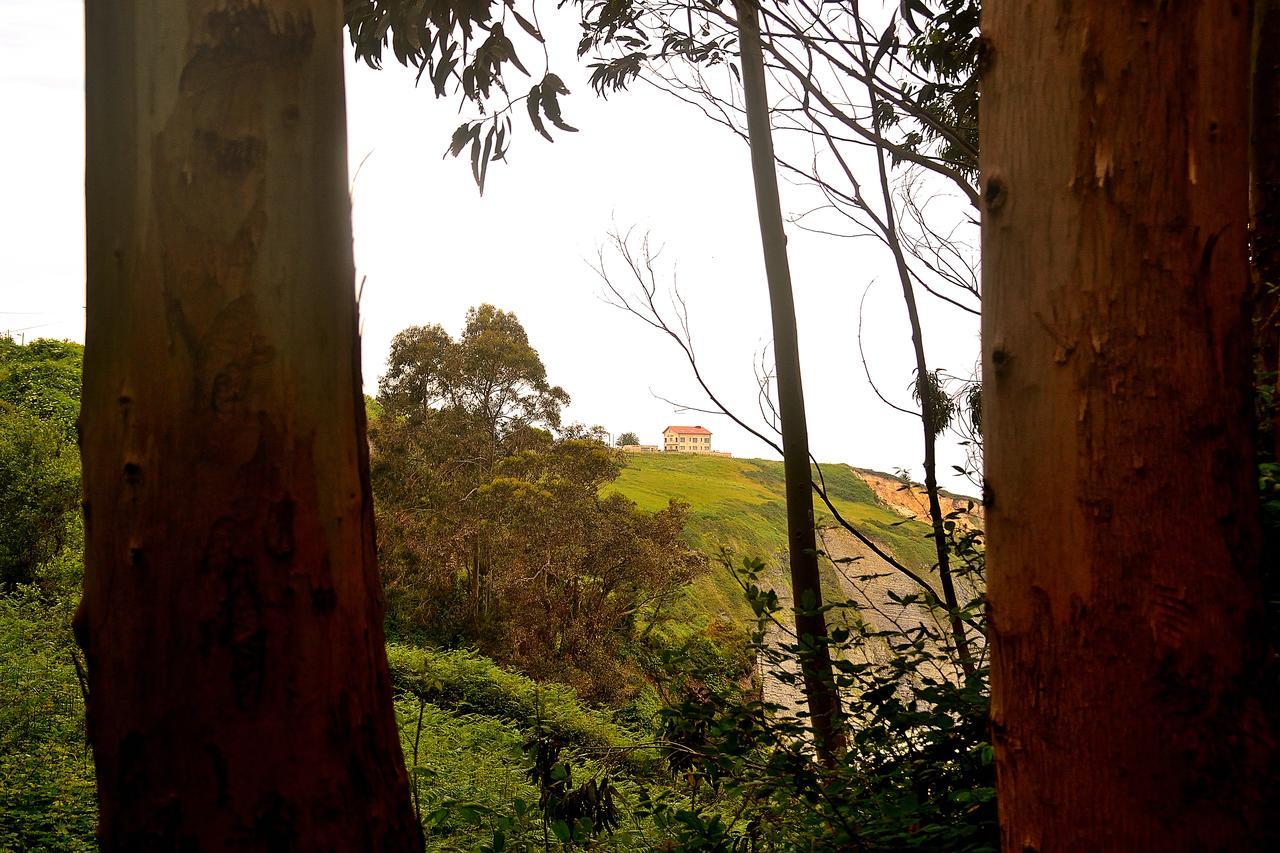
[(909, 499), (877, 588)]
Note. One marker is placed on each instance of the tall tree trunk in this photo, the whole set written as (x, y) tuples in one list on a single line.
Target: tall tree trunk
[(806, 583), (1122, 515), (232, 620), (925, 388)]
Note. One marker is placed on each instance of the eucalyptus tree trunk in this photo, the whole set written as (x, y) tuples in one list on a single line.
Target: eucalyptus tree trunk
[(1122, 517), (806, 584), (238, 691)]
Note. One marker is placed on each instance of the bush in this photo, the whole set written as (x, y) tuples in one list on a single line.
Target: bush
[(39, 503), (465, 683), (43, 379), (39, 461), (499, 761), (47, 796)]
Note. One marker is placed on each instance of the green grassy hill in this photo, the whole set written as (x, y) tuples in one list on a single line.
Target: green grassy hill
[(739, 504)]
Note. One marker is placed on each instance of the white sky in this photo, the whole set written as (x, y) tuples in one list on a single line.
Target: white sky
[(431, 248)]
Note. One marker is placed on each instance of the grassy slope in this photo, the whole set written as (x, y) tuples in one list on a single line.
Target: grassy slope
[(739, 504)]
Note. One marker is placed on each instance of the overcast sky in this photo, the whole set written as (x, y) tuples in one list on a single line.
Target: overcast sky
[(429, 247)]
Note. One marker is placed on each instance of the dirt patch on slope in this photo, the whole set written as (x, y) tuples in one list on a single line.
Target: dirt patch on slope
[(878, 590), (910, 500)]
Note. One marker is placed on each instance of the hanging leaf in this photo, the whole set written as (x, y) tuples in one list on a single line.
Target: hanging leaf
[(510, 49), (552, 87), (616, 74), (497, 49), (475, 160), (553, 82), (909, 9), (443, 68), (469, 82), (937, 407), (528, 27), (533, 102), (498, 151), (484, 159), (459, 139), (887, 39)]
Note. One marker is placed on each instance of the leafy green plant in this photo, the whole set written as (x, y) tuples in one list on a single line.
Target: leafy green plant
[(464, 682), (43, 379), (39, 461), (47, 796), (40, 500)]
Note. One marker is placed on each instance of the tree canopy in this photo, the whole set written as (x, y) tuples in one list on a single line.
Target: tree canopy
[(494, 528)]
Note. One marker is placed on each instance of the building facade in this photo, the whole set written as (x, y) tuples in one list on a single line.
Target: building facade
[(686, 439)]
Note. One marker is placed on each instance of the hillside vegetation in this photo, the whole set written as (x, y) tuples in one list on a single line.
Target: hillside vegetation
[(740, 505), (499, 756)]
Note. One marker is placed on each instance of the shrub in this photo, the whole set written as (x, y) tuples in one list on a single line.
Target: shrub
[(47, 797), (463, 682)]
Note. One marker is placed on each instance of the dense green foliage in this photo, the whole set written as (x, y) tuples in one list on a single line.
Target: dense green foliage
[(943, 106), (495, 528), (43, 379), (46, 773), (47, 797), (686, 756), (39, 462), (468, 728), (471, 732), (40, 470), (464, 683)]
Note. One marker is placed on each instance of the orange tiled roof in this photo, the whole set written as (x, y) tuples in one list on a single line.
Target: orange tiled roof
[(687, 430)]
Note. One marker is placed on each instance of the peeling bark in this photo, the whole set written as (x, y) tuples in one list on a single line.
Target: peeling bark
[(1122, 518), (239, 695)]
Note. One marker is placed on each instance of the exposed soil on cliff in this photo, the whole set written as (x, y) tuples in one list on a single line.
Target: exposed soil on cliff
[(876, 588), (910, 500)]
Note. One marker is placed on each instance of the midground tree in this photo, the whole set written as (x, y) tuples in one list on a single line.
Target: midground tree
[(498, 527), (238, 692)]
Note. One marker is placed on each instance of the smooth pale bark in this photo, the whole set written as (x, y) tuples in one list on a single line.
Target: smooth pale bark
[(806, 583), (1122, 517), (239, 696)]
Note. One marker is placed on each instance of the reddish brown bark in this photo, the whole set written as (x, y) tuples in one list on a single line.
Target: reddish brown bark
[(1122, 522), (239, 696)]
